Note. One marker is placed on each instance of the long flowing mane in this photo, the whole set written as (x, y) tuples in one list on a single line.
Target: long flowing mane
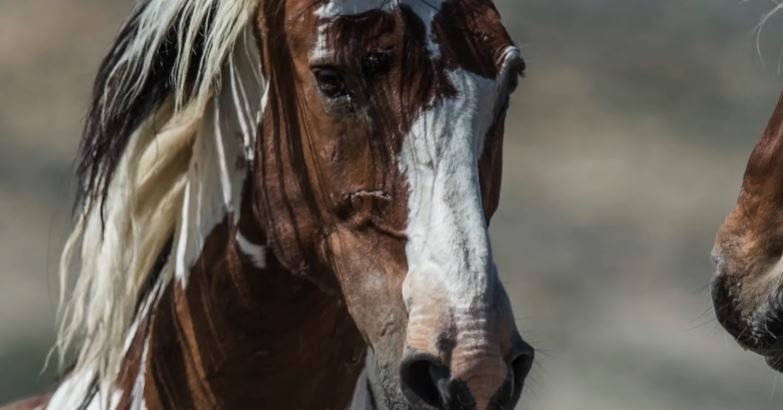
[(167, 144)]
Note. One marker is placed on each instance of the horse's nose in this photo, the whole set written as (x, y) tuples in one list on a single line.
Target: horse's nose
[(427, 380)]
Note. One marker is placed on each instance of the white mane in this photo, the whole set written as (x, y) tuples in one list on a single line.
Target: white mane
[(177, 177)]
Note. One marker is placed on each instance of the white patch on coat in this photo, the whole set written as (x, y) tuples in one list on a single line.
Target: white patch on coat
[(448, 249), (338, 8), (137, 395), (256, 253), (425, 9)]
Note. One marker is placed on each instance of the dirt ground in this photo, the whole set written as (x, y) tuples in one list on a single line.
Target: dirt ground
[(624, 151)]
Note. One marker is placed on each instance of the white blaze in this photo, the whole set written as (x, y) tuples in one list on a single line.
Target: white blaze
[(425, 9), (337, 8), (448, 246)]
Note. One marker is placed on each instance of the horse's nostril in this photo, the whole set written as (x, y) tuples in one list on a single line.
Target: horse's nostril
[(424, 378), (726, 307), (520, 367)]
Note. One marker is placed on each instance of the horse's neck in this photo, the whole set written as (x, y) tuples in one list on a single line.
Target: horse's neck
[(239, 333)]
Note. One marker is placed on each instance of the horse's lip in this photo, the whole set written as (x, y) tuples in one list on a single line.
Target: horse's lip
[(773, 353), (769, 347), (775, 360)]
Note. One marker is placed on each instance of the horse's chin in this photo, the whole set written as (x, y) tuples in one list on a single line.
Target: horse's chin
[(769, 342), (382, 387), (760, 331), (764, 336), (385, 399)]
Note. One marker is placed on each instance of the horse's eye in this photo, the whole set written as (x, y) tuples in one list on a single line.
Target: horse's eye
[(377, 61), (330, 82)]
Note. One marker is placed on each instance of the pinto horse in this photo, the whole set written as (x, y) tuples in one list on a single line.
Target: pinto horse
[(284, 205)]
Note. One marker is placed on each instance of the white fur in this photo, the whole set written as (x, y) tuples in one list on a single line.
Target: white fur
[(230, 20), (425, 9), (137, 394), (448, 251), (321, 49), (256, 253), (338, 8), (448, 248)]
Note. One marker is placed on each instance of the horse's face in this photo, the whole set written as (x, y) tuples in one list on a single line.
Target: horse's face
[(747, 290), (392, 113)]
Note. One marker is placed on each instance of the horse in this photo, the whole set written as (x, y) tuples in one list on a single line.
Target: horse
[(747, 289), (284, 204)]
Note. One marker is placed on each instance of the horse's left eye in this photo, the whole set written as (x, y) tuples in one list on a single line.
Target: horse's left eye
[(377, 62), (330, 82)]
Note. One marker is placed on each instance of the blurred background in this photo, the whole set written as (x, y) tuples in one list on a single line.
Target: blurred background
[(624, 151)]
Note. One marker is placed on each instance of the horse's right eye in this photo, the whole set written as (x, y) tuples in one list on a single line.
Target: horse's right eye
[(377, 62), (330, 82)]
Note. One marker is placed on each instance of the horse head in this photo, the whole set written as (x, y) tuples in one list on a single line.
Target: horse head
[(396, 111), (336, 161)]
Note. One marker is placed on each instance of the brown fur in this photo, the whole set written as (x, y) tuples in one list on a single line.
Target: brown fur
[(749, 244)]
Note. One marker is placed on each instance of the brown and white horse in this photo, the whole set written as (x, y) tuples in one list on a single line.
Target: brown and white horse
[(747, 290), (285, 204)]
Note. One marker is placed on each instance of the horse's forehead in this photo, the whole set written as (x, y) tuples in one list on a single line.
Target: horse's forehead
[(466, 33), (337, 8), (473, 15)]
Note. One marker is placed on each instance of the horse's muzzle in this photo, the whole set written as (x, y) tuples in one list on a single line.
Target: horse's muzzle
[(428, 382)]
